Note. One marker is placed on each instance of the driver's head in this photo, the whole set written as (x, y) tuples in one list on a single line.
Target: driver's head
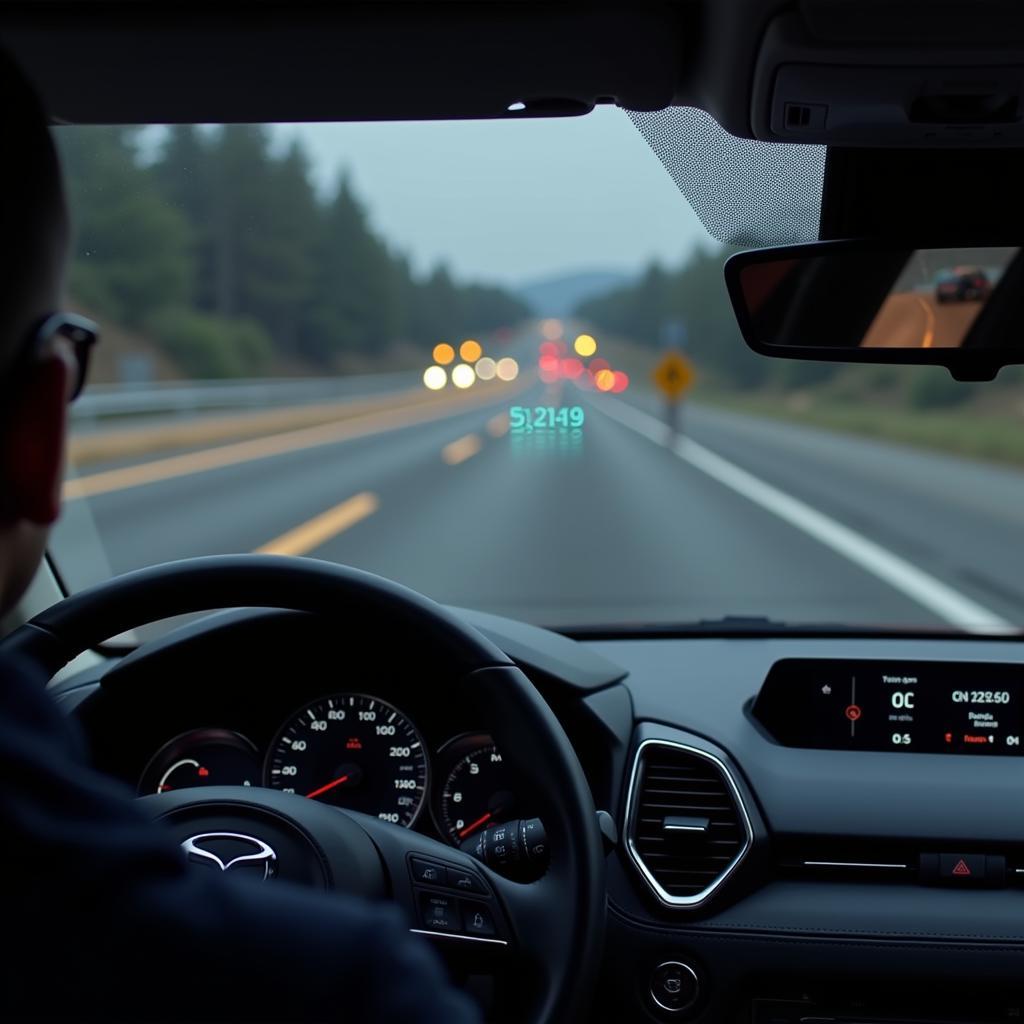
[(35, 378)]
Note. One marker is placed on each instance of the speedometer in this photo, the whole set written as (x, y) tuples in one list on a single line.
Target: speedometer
[(353, 751)]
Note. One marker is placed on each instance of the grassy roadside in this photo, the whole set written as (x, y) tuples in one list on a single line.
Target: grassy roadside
[(994, 436)]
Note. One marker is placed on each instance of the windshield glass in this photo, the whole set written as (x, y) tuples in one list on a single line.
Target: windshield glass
[(496, 362)]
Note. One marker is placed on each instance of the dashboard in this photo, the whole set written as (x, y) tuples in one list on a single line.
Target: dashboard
[(909, 706), (858, 800), (378, 742), (355, 751)]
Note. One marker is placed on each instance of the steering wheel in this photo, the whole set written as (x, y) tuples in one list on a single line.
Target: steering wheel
[(549, 931)]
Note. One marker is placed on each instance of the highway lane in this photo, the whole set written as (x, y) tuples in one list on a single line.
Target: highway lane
[(956, 518), (606, 527), (243, 505), (612, 530)]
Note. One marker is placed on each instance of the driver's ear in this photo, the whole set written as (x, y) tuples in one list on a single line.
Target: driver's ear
[(32, 440)]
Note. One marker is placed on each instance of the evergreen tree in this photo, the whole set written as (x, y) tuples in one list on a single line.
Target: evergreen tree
[(183, 171), (356, 286), (221, 242), (695, 295), (131, 248)]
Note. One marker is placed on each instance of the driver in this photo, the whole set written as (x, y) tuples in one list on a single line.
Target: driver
[(101, 916)]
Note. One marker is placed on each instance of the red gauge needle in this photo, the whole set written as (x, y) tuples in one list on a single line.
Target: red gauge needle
[(330, 785), (474, 825)]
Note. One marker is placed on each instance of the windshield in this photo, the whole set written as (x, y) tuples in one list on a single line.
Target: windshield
[(496, 362)]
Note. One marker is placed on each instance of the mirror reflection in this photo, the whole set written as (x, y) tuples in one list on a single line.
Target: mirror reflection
[(864, 296)]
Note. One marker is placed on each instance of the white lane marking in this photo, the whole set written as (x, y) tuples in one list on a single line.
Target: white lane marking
[(920, 586)]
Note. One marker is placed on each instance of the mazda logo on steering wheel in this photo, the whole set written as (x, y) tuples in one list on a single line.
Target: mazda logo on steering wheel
[(231, 851)]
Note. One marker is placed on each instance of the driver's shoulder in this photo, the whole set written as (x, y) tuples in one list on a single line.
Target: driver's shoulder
[(28, 713)]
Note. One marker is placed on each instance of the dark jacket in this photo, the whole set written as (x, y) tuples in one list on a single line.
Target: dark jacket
[(101, 916)]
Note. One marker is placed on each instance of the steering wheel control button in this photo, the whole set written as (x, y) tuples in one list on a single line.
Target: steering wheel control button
[(477, 920), (447, 876), (427, 872), (674, 986), (439, 913), (465, 881)]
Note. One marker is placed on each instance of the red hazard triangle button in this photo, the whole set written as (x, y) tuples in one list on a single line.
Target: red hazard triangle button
[(963, 870), (962, 867)]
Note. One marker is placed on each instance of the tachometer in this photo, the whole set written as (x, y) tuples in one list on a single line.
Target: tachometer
[(353, 751), (478, 789)]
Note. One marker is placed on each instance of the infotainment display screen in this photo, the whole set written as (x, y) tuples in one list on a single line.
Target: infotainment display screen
[(924, 706)]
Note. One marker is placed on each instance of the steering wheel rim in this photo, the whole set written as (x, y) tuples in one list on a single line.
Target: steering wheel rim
[(563, 913)]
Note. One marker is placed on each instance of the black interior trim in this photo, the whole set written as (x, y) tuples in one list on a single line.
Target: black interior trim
[(104, 62)]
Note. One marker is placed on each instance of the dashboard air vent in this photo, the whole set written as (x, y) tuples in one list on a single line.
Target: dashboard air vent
[(686, 826)]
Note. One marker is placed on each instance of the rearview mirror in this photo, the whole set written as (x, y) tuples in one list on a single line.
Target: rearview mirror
[(880, 302)]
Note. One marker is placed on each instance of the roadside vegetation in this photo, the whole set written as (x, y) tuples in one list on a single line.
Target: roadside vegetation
[(913, 405), (213, 251)]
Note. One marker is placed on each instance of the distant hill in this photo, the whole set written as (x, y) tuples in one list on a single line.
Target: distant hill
[(559, 296)]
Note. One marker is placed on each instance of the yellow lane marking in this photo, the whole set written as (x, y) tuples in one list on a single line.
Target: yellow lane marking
[(458, 451), (497, 426), (138, 442), (260, 448), (928, 338), (322, 528)]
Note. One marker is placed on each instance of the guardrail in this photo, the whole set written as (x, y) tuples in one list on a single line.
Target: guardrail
[(105, 401)]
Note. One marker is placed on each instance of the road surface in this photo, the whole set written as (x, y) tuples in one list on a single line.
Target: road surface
[(607, 526), (917, 320)]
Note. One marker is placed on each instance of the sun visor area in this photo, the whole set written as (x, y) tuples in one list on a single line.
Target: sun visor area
[(745, 192)]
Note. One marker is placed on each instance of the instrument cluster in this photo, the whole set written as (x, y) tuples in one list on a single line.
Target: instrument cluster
[(357, 752)]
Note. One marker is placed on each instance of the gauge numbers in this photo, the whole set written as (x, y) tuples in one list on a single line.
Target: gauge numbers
[(478, 790), (353, 751)]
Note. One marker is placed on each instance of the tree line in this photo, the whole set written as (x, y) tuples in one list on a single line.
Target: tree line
[(221, 251), (694, 293)]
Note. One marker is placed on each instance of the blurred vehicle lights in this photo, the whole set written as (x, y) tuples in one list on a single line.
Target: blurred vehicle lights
[(621, 382), (571, 368), (548, 348), (585, 345), (547, 367), (551, 329), (435, 377), (507, 369), (463, 376), (604, 380), (597, 365), (486, 368), (470, 351), (443, 354)]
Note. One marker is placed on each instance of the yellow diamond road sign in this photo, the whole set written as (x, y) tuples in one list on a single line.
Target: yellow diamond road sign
[(674, 375)]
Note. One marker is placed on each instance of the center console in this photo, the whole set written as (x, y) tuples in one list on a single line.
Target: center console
[(908, 706)]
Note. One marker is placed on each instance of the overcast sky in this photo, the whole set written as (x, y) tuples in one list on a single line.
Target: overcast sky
[(511, 201)]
